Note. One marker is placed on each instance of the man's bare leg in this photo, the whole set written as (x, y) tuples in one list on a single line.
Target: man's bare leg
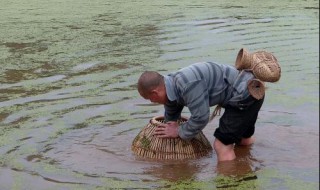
[(224, 152), (247, 141)]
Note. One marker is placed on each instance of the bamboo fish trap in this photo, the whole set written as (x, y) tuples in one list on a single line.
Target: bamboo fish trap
[(148, 145), (264, 65)]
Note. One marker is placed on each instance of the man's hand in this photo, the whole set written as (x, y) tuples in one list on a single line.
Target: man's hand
[(167, 130)]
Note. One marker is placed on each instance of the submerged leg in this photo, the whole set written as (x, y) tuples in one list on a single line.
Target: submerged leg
[(224, 152)]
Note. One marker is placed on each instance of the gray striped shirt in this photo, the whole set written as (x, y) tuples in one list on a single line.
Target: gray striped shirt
[(200, 86)]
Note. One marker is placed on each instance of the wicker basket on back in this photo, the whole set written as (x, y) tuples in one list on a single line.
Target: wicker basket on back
[(263, 64), (148, 145)]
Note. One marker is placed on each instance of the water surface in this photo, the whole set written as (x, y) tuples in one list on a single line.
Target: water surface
[(69, 108)]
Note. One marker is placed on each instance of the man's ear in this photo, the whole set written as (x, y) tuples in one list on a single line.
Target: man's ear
[(154, 93)]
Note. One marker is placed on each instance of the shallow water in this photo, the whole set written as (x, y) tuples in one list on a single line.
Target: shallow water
[(69, 108)]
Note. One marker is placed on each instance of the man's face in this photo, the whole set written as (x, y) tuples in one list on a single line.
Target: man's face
[(157, 99), (157, 95)]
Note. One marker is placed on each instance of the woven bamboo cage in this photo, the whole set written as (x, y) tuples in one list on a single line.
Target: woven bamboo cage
[(263, 65), (266, 67), (148, 145)]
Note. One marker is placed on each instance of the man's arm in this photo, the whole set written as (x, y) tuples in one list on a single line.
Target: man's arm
[(197, 100), (172, 111), (170, 128)]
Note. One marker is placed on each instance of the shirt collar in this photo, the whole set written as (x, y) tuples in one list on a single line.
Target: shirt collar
[(168, 82)]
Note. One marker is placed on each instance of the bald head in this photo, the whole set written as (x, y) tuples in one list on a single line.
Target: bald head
[(148, 81)]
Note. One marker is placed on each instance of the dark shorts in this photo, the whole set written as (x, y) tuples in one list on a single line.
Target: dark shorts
[(238, 122)]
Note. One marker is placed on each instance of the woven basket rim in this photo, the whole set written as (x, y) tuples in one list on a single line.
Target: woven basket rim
[(155, 120), (243, 55), (256, 93)]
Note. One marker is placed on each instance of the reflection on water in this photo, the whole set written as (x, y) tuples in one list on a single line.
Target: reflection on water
[(69, 108), (175, 171)]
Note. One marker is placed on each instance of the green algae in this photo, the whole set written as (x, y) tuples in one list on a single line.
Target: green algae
[(263, 179), (43, 39), (145, 142)]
